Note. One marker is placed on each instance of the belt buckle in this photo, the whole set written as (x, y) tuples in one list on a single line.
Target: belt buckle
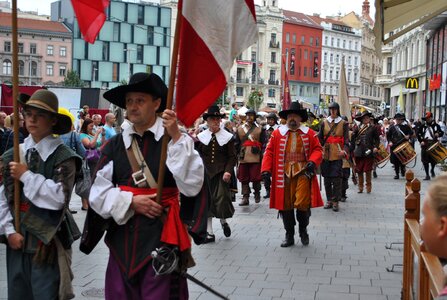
[(138, 177)]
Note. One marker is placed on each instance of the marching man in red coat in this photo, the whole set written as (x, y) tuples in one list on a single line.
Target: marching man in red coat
[(291, 157)]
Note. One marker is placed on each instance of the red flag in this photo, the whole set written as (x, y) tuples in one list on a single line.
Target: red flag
[(286, 97), (212, 35), (91, 17)]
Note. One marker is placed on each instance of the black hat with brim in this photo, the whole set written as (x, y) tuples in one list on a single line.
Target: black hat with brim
[(272, 115), (364, 114), (47, 101), (399, 116), (295, 108), (213, 111), (146, 83)]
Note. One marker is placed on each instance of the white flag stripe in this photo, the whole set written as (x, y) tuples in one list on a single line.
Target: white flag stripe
[(231, 36)]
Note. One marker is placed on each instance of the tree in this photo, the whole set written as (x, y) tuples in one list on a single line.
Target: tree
[(72, 79), (255, 99)]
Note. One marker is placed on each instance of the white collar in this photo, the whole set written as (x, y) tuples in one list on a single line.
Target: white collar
[(45, 147), (222, 137), (336, 120), (157, 129), (267, 127), (283, 129)]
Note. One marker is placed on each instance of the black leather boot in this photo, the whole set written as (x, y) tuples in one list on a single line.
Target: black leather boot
[(289, 225), (288, 241), (303, 218)]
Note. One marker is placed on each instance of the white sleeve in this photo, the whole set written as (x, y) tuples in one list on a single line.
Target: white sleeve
[(186, 166), (6, 225), (110, 201), (42, 192)]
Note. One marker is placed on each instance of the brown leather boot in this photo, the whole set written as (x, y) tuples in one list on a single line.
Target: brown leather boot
[(360, 182), (245, 194), (368, 182)]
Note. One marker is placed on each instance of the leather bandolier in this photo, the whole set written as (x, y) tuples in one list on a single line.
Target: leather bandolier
[(247, 146)]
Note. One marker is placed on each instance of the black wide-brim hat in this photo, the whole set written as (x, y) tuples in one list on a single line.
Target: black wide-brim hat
[(364, 114), (399, 116), (295, 108), (272, 115), (150, 84), (213, 111), (47, 101)]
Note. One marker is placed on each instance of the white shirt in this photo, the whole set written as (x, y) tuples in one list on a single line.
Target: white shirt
[(183, 161)]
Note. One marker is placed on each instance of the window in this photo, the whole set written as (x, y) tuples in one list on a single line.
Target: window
[(239, 91), (332, 58), (115, 72), (116, 32), (50, 50), (336, 75), (330, 75), (303, 40), (7, 47), (337, 59), (349, 76), (273, 57), (349, 60), (20, 46), (315, 90), (311, 41), (294, 38), (272, 77), (332, 42), (356, 45), (287, 37), (7, 65), (325, 56), (140, 54), (355, 61), (33, 68), (350, 45), (273, 38), (166, 37), (305, 72), (389, 65), (21, 68), (140, 14), (317, 42), (50, 69), (338, 43), (239, 73), (355, 77), (301, 90), (305, 54), (272, 93), (344, 44), (326, 40), (63, 51), (150, 35), (32, 48), (62, 70), (105, 50)]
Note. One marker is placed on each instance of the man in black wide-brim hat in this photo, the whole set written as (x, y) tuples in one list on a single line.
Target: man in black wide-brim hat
[(124, 191), (37, 257), (397, 134), (291, 158)]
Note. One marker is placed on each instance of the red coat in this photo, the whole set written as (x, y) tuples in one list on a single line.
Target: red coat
[(273, 162)]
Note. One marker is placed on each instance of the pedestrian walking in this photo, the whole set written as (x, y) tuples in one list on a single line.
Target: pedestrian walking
[(398, 134), (124, 191), (291, 158), (334, 138), (216, 147), (38, 253)]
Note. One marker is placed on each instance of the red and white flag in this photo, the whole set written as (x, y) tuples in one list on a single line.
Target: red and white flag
[(91, 17), (212, 35)]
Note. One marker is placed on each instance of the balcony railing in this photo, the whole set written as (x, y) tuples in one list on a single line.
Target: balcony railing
[(274, 44), (273, 82)]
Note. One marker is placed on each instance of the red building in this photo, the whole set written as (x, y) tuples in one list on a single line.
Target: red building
[(301, 40)]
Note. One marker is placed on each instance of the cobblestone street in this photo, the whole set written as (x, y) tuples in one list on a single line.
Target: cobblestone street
[(346, 257)]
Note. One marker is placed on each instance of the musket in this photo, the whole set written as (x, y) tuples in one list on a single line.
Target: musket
[(351, 164)]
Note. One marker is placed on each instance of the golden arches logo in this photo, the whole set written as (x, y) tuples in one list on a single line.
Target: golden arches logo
[(412, 83)]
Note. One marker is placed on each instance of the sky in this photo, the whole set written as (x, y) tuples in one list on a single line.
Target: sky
[(323, 7)]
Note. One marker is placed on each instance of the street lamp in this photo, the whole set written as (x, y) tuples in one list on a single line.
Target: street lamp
[(127, 50)]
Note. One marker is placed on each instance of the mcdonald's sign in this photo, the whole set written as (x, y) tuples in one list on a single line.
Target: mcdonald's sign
[(412, 83)]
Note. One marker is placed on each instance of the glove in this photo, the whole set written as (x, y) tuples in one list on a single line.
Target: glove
[(266, 175), (310, 169)]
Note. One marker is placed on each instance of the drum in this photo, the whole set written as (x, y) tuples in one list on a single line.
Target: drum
[(437, 152), (381, 156), (405, 153)]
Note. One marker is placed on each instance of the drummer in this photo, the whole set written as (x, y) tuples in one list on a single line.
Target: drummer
[(397, 134), (428, 134)]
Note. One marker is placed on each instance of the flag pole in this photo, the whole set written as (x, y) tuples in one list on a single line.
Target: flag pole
[(15, 88), (164, 145)]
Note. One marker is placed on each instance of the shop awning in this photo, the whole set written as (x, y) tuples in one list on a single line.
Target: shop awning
[(393, 14)]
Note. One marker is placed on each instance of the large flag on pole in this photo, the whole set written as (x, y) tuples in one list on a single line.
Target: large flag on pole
[(286, 96), (91, 17), (343, 95), (213, 33)]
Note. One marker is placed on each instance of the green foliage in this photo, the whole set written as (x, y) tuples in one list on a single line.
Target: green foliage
[(72, 79), (255, 99)]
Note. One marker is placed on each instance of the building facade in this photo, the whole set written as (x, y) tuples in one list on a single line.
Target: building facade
[(371, 67), (436, 89), (301, 50), (134, 38), (339, 42), (44, 51)]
